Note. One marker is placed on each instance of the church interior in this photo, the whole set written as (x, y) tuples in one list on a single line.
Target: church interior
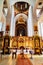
[(21, 32)]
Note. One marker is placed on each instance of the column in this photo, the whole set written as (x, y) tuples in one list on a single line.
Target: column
[(0, 26), (30, 28), (12, 26), (4, 28), (39, 29)]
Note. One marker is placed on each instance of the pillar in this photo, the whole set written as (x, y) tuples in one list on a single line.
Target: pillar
[(12, 26), (42, 30), (4, 28), (39, 29), (1, 26), (30, 22)]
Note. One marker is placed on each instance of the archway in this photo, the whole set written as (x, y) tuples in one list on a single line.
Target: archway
[(21, 24), (21, 31), (20, 28)]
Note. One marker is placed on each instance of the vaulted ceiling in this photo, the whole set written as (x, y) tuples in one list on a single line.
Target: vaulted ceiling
[(7, 3)]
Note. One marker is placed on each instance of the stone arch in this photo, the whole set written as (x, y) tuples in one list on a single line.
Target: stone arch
[(21, 14), (17, 16)]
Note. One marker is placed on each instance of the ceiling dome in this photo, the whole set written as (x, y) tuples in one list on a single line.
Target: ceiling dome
[(21, 6)]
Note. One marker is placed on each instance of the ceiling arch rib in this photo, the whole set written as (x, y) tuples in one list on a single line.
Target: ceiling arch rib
[(24, 16)]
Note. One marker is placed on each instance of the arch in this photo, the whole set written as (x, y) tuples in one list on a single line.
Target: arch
[(14, 22), (18, 15), (21, 29)]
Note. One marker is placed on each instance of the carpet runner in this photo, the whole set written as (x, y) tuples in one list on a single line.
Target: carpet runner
[(23, 61)]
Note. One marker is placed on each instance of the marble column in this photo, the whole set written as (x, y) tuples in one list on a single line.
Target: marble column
[(12, 26), (30, 28)]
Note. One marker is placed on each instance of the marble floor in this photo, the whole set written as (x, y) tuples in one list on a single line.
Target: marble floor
[(7, 60)]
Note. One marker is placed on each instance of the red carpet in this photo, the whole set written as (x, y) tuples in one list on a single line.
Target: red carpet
[(23, 61)]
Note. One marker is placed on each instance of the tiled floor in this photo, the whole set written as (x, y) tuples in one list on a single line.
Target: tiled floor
[(7, 60)]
